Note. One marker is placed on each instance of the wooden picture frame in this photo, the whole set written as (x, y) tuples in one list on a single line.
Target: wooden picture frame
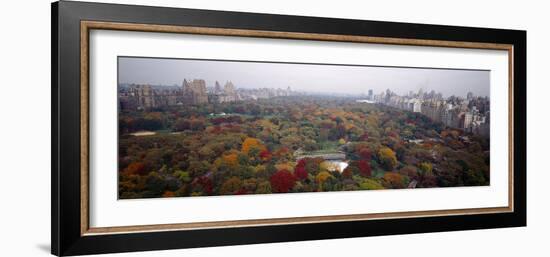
[(71, 25)]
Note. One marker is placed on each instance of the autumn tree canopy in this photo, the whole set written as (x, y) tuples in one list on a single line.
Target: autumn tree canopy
[(289, 144)]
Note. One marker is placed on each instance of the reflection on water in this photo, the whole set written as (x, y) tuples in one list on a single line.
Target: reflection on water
[(143, 133), (337, 165)]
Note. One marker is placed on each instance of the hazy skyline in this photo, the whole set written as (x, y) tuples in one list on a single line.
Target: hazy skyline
[(304, 77)]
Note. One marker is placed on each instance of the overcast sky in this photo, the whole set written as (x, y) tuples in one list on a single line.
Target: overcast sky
[(304, 77)]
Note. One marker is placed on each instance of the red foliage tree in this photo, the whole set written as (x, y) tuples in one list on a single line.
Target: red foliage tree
[(282, 181), (364, 168), (365, 154), (301, 163), (217, 129), (203, 183), (300, 172), (265, 155), (347, 173)]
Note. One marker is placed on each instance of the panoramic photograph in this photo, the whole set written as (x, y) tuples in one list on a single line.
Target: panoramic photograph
[(192, 127)]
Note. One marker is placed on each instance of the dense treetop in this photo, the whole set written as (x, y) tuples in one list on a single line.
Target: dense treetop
[(273, 146)]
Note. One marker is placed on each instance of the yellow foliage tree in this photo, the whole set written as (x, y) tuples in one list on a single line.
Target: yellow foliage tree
[(387, 158), (370, 184), (284, 166), (425, 167), (322, 177)]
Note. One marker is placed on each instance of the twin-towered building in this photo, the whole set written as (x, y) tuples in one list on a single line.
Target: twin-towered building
[(223, 95), (191, 92), (194, 92)]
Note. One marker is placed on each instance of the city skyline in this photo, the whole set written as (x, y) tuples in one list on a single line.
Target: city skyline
[(314, 78)]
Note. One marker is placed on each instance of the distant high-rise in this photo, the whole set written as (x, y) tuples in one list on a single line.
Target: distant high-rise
[(191, 92), (471, 114), (195, 91), (229, 88), (370, 96), (217, 88)]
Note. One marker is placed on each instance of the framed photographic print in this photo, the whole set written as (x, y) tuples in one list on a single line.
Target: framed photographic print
[(178, 128)]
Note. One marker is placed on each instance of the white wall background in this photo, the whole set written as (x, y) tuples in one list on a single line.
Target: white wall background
[(25, 127)]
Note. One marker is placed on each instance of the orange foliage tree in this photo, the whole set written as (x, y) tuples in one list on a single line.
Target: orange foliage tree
[(250, 143), (393, 180), (135, 168), (231, 159)]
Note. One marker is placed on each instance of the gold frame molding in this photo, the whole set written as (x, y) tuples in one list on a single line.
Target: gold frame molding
[(87, 26)]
